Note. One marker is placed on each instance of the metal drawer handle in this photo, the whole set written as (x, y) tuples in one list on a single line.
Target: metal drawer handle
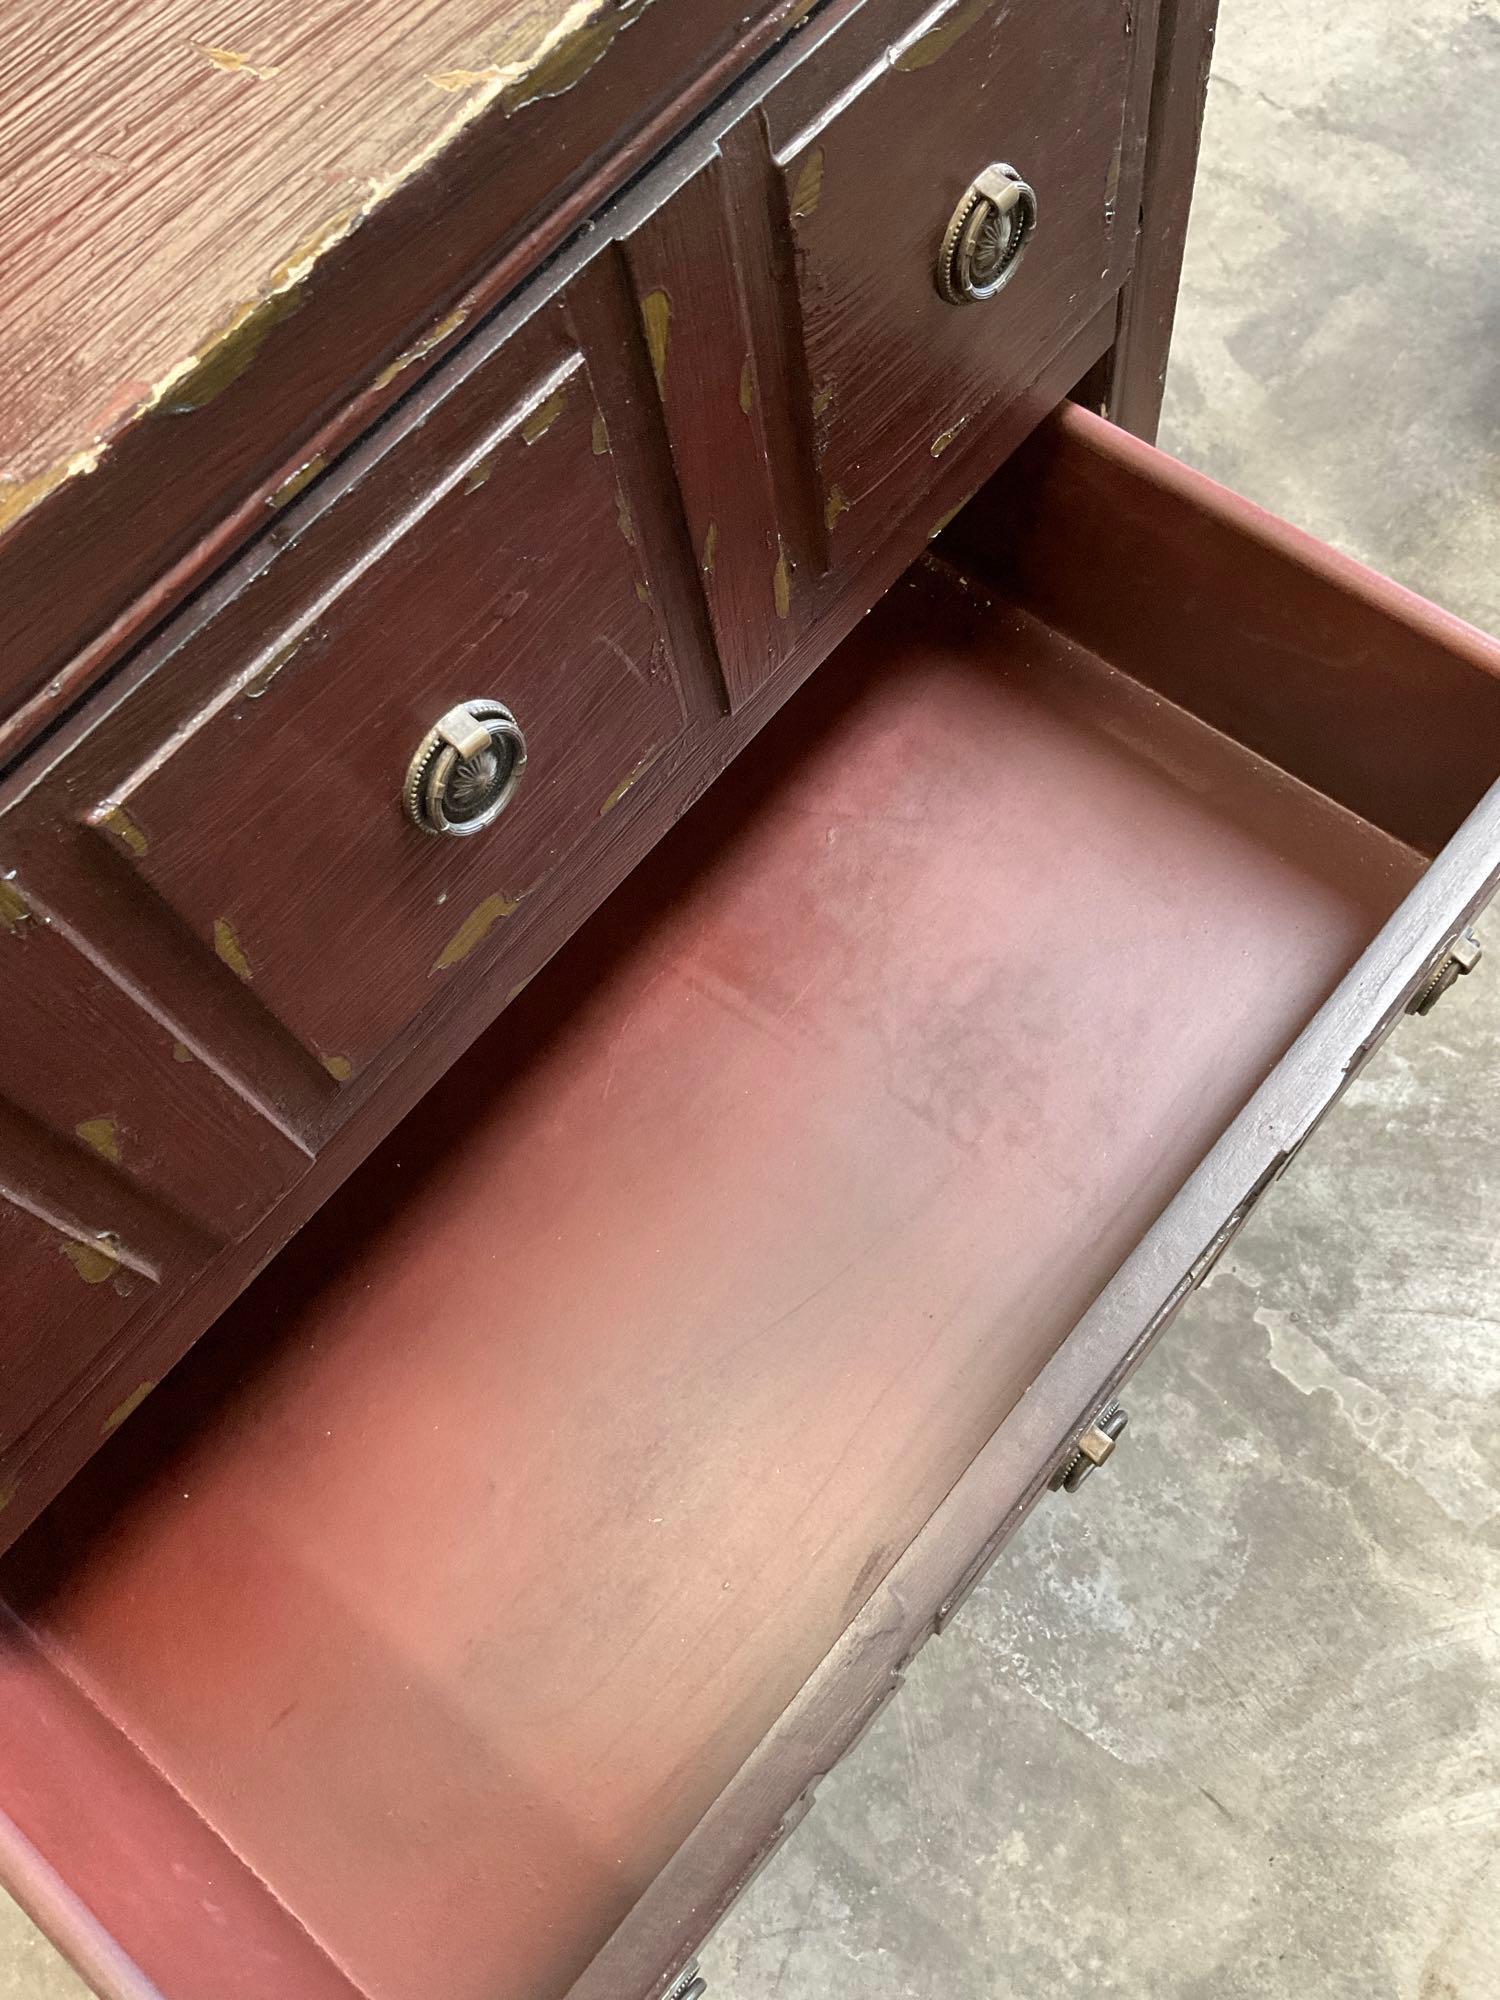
[(467, 769), (1091, 1448), (987, 237)]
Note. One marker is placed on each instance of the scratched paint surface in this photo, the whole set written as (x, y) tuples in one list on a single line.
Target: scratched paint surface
[(167, 170)]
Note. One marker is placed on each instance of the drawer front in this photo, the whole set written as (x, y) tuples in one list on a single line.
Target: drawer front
[(872, 167), (486, 556)]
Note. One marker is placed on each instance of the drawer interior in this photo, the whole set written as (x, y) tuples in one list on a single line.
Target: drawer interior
[(459, 1570)]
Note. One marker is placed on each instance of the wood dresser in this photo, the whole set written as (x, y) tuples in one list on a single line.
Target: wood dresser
[(663, 1214)]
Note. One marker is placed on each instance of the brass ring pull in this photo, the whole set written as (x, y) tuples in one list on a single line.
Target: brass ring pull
[(987, 236), (466, 770)]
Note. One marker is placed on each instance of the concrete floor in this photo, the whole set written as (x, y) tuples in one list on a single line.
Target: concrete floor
[(1227, 1726)]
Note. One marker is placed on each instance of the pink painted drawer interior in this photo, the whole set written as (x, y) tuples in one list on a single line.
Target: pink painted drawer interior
[(467, 1614)]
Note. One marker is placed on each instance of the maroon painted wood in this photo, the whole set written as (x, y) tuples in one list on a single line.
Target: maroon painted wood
[(690, 1317)]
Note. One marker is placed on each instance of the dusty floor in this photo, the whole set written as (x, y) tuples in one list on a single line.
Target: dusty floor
[(1227, 1726)]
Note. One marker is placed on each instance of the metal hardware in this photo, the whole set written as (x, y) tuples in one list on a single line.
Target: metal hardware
[(466, 770), (1456, 963), (687, 1986), (987, 237), (1090, 1449)]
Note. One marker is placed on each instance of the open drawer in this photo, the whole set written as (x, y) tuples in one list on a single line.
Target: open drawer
[(471, 1611)]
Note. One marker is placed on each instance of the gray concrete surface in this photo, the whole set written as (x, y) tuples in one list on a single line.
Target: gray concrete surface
[(1228, 1726)]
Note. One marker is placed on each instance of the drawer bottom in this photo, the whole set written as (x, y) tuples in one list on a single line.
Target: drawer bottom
[(409, 1630)]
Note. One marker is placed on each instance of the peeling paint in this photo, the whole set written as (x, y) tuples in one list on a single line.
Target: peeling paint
[(95, 1261), (256, 686), (643, 592), (233, 61), (126, 1409), (572, 55), (544, 416), (781, 586), (14, 908), (710, 548), (836, 505), (474, 929), (656, 313), (339, 1068), (808, 190), (821, 400), (124, 828), (479, 473), (747, 386), (229, 948), (7, 1494), (434, 337), (625, 783), (600, 435), (944, 438), (304, 476), (943, 521), (181, 1052), (103, 1135), (930, 47), (624, 517), (229, 354)]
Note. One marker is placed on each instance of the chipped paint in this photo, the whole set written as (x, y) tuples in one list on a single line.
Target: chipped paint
[(517, 990), (229, 948), (339, 1068), (181, 1052), (836, 505), (14, 908), (95, 1261), (808, 189), (821, 400), (624, 517), (236, 64), (710, 548), (781, 585), (626, 782), (643, 592), (929, 47), (126, 1409), (227, 355), (474, 929), (19, 496), (479, 473), (572, 54), (259, 681), (544, 417), (656, 313), (102, 1135), (747, 386), (943, 521), (304, 476), (600, 435), (7, 1494), (944, 438), (124, 828), (433, 337)]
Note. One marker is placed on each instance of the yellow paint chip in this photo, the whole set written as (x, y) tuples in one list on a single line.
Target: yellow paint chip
[(781, 586), (7, 1494), (631, 778), (944, 438), (339, 1068), (229, 948), (95, 1262), (710, 548), (181, 1052), (837, 504), (570, 58), (937, 41), (433, 337), (479, 473), (231, 352), (124, 828), (656, 314), (624, 517), (102, 1134), (747, 386), (822, 399), (544, 416), (600, 435), (238, 65), (259, 681), (126, 1409), (943, 520), (643, 592), (14, 909), (808, 189), (474, 929), (304, 476)]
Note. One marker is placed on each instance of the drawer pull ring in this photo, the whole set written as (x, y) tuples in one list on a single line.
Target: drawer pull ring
[(467, 769), (1090, 1449), (987, 236)]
